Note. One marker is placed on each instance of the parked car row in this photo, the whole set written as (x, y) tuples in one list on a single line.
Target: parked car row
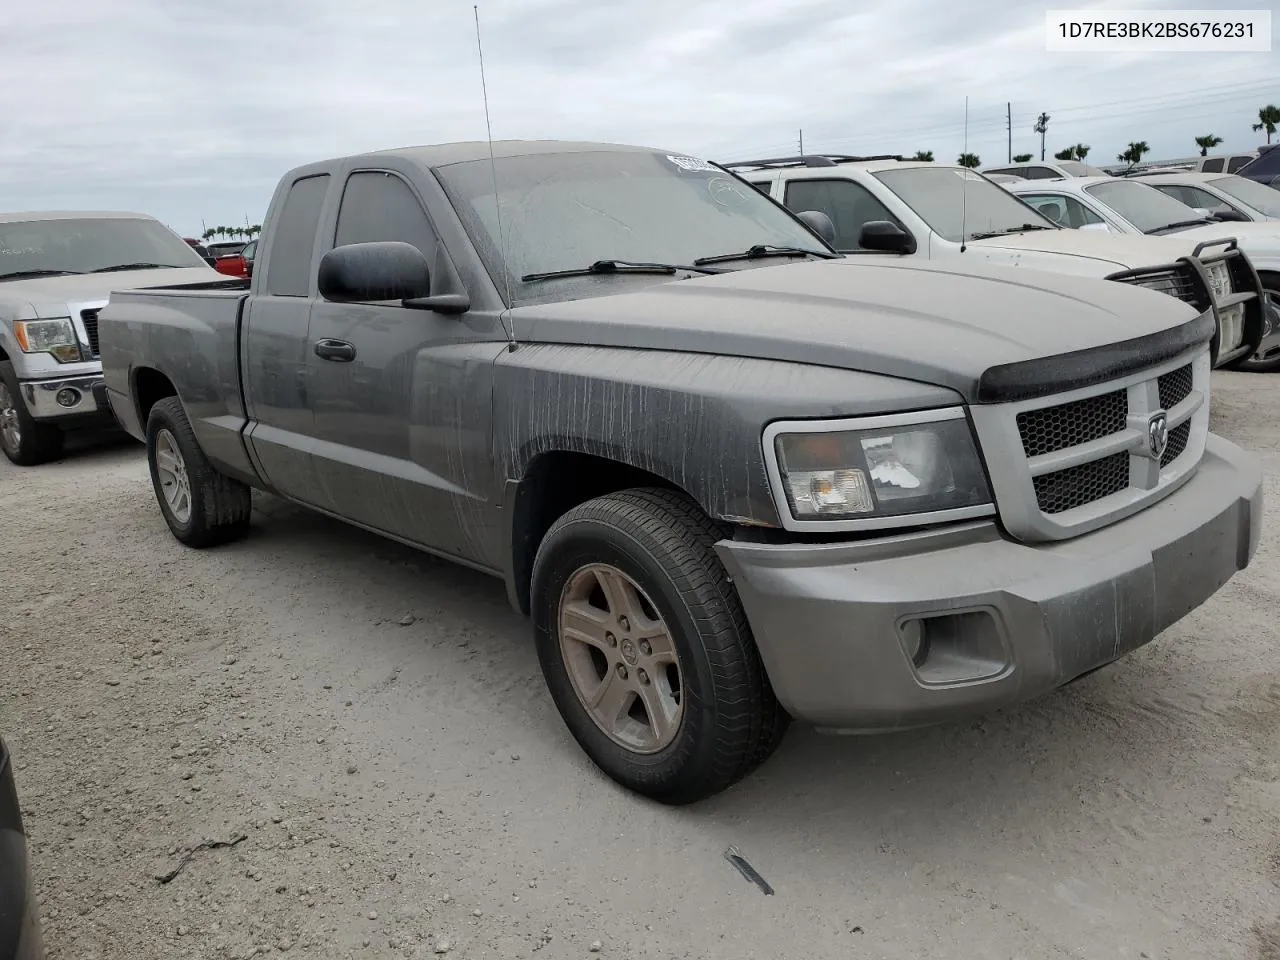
[(734, 476)]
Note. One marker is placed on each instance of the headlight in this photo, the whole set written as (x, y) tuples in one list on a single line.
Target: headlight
[(877, 468), (57, 337), (1219, 279)]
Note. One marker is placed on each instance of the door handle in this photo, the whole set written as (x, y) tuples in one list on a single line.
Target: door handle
[(337, 350)]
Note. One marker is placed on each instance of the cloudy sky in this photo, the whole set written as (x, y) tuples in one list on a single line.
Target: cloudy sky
[(191, 111)]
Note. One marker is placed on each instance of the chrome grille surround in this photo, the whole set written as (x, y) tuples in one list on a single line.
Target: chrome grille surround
[(1077, 480)]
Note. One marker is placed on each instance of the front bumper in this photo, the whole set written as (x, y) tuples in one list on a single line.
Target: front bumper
[(88, 393), (997, 621)]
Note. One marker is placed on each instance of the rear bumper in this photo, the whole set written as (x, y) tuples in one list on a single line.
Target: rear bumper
[(999, 621), (84, 399)]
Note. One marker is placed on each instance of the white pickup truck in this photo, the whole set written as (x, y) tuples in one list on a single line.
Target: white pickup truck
[(56, 270), (938, 211)]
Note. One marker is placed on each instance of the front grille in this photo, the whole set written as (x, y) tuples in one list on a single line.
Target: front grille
[(1178, 438), (1175, 386), (1071, 424), (1076, 486), (1179, 282), (90, 320)]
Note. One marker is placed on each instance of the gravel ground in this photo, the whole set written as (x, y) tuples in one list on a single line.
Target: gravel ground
[(373, 723)]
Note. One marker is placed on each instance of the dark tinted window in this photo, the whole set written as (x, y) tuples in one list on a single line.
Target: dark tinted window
[(1213, 166), (87, 245), (381, 206), (1041, 173), (1235, 163), (291, 248), (848, 204), (1266, 166), (764, 186)]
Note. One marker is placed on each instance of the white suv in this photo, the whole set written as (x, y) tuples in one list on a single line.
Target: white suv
[(1047, 169), (887, 205)]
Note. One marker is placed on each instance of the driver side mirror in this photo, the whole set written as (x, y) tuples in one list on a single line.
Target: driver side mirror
[(372, 272), (1227, 214), (886, 236), (819, 223)]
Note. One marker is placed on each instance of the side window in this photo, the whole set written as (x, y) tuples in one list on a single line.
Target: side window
[(294, 241), (1235, 163), (764, 186), (1041, 173), (1078, 215), (1048, 205), (380, 206), (1195, 197), (848, 204), (1213, 166)]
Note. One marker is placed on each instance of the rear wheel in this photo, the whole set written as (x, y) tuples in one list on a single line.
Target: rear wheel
[(646, 649), (1269, 362), (25, 440), (201, 506)]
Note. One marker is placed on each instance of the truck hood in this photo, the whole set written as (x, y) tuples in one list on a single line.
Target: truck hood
[(1125, 252), (51, 296), (921, 321), (1259, 241)]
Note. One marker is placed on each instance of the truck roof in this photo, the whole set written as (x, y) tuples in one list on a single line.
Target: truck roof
[(27, 216), (443, 154)]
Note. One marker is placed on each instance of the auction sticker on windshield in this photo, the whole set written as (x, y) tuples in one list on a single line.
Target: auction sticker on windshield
[(694, 165)]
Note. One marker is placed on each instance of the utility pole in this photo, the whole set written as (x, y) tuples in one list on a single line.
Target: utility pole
[(1008, 122), (1041, 127), (802, 142)]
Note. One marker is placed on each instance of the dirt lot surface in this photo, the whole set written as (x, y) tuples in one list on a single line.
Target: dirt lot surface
[(374, 724)]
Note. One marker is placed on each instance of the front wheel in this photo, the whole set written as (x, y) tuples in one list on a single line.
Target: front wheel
[(201, 506), (646, 649), (1270, 362), (24, 439)]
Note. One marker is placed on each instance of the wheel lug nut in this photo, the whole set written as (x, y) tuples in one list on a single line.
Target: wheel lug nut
[(610, 639), (643, 677), (645, 648), (624, 623), (622, 671)]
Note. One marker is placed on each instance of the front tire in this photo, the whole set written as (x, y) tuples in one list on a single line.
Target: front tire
[(646, 649), (25, 440), (202, 507), (1270, 363)]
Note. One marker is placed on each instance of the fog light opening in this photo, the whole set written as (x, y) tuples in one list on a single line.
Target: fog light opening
[(67, 397), (915, 641)]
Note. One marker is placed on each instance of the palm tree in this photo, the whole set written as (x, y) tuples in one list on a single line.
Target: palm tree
[(209, 233), (968, 160), (924, 156), (1134, 152), (1066, 154), (1208, 142), (1268, 118), (1022, 158), (1081, 150), (255, 229)]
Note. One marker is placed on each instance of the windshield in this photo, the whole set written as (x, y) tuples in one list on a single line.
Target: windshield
[(1143, 205), (1266, 200), (936, 195), (1078, 169), (86, 245), (562, 211)]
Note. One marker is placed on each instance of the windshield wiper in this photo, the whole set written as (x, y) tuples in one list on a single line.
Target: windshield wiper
[(136, 266), (25, 274), (1004, 233), (1179, 225), (614, 266), (766, 250)]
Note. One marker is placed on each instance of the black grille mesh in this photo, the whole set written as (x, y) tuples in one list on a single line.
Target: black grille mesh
[(1177, 282), (1076, 486), (1178, 438), (90, 318), (1070, 424), (1175, 386)]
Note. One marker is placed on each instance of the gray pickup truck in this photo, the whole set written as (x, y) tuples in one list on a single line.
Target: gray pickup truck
[(731, 482), (56, 270)]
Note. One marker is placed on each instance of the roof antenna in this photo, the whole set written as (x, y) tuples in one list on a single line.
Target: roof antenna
[(497, 202), (964, 186)]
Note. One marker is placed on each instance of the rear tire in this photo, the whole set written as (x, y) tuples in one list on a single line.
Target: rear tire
[(202, 507), (25, 440), (635, 619)]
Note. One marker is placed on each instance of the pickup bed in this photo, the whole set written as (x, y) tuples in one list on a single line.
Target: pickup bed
[(732, 479)]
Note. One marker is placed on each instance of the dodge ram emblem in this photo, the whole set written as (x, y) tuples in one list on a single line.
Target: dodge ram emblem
[(1157, 435)]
